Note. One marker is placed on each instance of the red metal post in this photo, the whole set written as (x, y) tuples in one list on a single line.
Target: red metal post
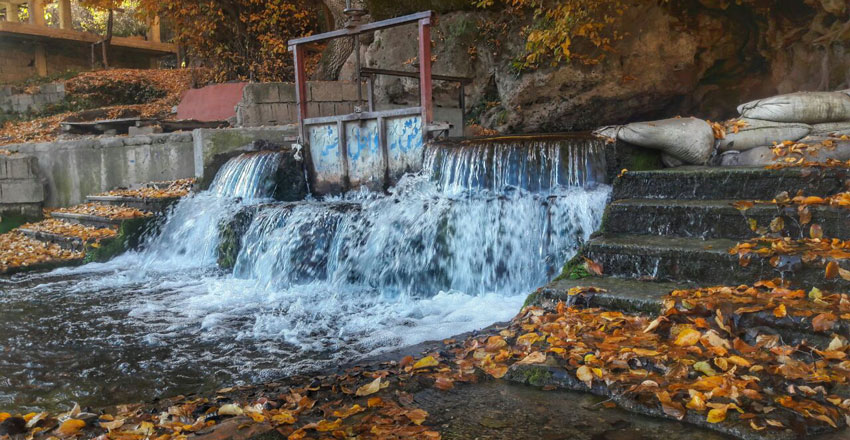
[(300, 87), (425, 89)]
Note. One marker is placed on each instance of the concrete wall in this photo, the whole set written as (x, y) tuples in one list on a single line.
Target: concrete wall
[(21, 189), (213, 146), (74, 169), (14, 100), (274, 103)]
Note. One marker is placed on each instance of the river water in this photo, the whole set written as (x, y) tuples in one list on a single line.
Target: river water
[(452, 249)]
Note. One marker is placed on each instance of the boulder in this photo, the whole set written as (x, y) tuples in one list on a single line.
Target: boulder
[(758, 133), (806, 107)]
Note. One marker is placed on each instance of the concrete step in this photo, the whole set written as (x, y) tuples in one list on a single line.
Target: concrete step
[(706, 262), (622, 294), (646, 297), (706, 183), (66, 242), (151, 205), (88, 220), (715, 219)]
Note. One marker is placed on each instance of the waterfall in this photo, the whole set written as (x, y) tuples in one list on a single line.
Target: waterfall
[(247, 176), (536, 164), (190, 235)]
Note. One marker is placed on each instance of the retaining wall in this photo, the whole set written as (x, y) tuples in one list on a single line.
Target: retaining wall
[(21, 189), (14, 100), (74, 169)]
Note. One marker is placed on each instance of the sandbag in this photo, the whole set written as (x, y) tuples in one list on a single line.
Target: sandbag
[(806, 107), (754, 157), (758, 133), (688, 139), (670, 161), (836, 128), (761, 156)]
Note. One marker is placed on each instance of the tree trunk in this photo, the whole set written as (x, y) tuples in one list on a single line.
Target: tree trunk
[(108, 39), (339, 49)]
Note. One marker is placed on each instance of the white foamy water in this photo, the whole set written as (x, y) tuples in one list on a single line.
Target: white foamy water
[(320, 283)]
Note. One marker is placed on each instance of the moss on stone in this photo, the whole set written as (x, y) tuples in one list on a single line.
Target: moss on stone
[(13, 220), (130, 234), (536, 375), (574, 269), (230, 235), (642, 159)]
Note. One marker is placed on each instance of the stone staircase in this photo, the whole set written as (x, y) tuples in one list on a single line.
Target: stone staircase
[(672, 229), (109, 229)]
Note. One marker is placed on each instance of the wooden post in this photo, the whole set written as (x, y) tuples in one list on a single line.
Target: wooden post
[(36, 12), (300, 88), (65, 21), (11, 12), (155, 31), (40, 60), (425, 89)]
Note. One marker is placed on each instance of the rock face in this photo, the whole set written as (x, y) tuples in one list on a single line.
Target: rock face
[(702, 62)]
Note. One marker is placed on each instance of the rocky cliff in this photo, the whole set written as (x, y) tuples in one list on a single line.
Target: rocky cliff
[(698, 58)]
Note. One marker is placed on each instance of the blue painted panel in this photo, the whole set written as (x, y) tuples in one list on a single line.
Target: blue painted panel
[(326, 154), (404, 141), (365, 160)]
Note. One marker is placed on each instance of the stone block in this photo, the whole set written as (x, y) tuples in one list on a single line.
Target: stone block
[(16, 191), (18, 166), (141, 132), (326, 91), (260, 93), (286, 92)]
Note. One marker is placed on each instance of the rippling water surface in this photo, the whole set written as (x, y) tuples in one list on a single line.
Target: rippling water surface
[(450, 250)]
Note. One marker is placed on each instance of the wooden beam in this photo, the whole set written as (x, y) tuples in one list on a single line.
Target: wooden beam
[(65, 21), (35, 8), (155, 31), (425, 86), (405, 74), (368, 27), (11, 12), (301, 89), (48, 33), (40, 59)]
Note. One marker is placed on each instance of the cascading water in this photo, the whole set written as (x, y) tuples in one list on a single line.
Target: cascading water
[(454, 248), (189, 238)]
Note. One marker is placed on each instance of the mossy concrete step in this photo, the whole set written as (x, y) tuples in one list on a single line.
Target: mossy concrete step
[(66, 242), (88, 220), (647, 297), (705, 183), (706, 262), (151, 205), (715, 218), (621, 294)]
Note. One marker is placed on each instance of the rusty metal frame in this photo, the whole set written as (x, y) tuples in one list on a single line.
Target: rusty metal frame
[(425, 108)]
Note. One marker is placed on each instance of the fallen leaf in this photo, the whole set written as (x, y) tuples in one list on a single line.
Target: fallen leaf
[(370, 388), (426, 362), (70, 427)]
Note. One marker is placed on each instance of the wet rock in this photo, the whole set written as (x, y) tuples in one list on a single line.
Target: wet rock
[(13, 426)]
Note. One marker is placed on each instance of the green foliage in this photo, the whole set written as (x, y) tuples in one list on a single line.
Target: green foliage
[(383, 9), (554, 27)]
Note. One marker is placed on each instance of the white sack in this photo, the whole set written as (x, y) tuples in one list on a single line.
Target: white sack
[(688, 139), (806, 107), (760, 133)]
